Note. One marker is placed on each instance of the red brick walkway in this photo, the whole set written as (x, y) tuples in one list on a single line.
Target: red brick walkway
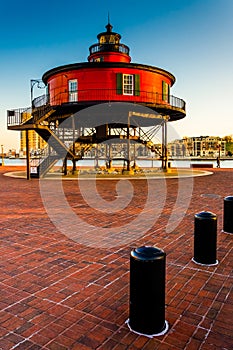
[(60, 294)]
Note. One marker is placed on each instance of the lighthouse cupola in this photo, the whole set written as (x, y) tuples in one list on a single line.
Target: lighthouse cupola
[(109, 48)]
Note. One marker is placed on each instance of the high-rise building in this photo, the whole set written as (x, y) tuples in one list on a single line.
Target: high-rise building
[(36, 143)]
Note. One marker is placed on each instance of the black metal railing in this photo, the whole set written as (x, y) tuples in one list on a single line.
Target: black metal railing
[(27, 115), (18, 116), (111, 95), (40, 100), (45, 102), (109, 47)]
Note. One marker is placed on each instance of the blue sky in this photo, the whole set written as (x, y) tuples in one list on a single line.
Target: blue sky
[(190, 38)]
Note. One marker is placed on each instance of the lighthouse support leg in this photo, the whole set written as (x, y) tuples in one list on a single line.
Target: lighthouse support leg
[(64, 170), (28, 155), (164, 145), (110, 155), (128, 146), (74, 150)]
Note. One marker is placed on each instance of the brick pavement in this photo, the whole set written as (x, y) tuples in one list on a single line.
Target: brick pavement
[(60, 294)]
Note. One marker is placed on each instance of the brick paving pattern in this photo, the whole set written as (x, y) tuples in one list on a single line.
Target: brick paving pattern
[(59, 294)]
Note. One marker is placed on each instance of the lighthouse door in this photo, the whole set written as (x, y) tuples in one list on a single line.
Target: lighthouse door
[(73, 90)]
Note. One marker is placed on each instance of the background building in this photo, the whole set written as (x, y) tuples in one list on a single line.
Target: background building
[(36, 143), (201, 146)]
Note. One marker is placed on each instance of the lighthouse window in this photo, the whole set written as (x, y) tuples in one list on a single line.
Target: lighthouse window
[(165, 91), (112, 39), (128, 84), (73, 90), (98, 59)]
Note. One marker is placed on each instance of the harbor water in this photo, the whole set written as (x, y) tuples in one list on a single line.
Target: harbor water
[(144, 163)]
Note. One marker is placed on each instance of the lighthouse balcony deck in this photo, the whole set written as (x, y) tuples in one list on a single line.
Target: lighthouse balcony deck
[(62, 105)]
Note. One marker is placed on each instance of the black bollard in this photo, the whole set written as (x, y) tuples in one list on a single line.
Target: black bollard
[(228, 215), (147, 291), (205, 238)]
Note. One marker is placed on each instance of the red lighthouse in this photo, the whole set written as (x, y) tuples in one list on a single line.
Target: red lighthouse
[(107, 77)]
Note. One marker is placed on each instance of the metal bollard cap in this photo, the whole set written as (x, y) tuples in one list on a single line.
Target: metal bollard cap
[(229, 198), (203, 215), (147, 253)]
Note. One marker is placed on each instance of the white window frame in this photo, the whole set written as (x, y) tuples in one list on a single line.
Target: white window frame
[(128, 84), (73, 90)]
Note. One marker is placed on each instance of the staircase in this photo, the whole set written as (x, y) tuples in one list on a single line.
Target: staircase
[(60, 150), (54, 141), (40, 114), (45, 165), (37, 119), (146, 139)]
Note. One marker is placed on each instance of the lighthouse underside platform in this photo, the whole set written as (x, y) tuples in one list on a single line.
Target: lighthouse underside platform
[(118, 125), (66, 110)]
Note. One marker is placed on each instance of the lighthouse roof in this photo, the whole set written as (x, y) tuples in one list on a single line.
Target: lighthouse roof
[(109, 35)]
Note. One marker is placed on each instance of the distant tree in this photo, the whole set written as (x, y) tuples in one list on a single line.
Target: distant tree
[(228, 138), (229, 144)]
